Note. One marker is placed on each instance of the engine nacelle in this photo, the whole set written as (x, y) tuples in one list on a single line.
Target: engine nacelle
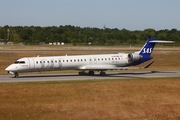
[(134, 57)]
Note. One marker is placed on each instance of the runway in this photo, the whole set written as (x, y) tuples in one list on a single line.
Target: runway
[(74, 76)]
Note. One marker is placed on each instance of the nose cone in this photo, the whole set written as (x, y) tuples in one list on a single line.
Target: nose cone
[(10, 68)]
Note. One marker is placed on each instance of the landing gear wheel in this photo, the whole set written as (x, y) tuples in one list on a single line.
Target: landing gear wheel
[(82, 73), (102, 73), (91, 72), (16, 75)]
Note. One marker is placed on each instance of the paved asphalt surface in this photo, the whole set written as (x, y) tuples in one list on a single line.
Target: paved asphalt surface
[(74, 76)]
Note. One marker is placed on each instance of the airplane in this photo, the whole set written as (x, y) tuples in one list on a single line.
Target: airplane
[(91, 63)]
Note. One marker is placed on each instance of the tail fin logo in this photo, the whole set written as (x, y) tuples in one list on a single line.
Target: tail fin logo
[(147, 50)]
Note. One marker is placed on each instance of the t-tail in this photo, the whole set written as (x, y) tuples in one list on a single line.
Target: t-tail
[(145, 53)]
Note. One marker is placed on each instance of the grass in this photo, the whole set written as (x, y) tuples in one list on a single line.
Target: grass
[(138, 99)]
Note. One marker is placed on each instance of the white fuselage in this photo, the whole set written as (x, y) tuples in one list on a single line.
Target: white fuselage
[(79, 62)]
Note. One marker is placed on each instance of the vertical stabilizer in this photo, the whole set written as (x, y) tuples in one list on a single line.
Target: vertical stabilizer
[(147, 49)]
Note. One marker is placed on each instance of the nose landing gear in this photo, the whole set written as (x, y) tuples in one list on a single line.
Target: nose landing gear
[(16, 75)]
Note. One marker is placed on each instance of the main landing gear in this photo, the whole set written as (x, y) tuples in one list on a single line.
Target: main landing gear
[(102, 73), (91, 73)]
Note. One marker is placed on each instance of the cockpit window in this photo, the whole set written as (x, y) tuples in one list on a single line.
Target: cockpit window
[(19, 62), (16, 62)]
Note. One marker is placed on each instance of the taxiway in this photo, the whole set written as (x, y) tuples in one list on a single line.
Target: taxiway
[(74, 76)]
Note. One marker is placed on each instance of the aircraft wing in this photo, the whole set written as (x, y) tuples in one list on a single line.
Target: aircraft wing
[(105, 67), (97, 67), (110, 67)]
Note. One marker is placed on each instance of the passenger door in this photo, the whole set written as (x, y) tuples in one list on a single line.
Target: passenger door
[(31, 63)]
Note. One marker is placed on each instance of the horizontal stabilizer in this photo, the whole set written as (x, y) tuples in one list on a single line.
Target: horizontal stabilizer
[(161, 41)]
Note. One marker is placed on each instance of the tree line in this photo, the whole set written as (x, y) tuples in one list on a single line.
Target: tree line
[(76, 35)]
